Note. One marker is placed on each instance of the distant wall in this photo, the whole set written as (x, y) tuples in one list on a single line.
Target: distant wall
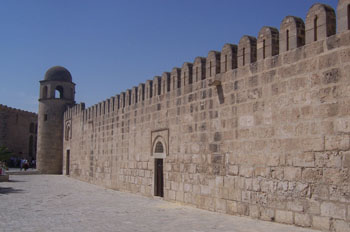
[(18, 131), (261, 129)]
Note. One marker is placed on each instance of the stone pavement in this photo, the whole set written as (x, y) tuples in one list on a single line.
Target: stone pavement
[(59, 203)]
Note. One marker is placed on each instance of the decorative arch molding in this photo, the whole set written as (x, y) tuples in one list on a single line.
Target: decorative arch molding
[(159, 148), (68, 130), (160, 144)]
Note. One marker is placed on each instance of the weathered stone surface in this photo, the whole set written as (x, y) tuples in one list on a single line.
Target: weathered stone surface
[(329, 209), (266, 135), (284, 216), (18, 132), (321, 223)]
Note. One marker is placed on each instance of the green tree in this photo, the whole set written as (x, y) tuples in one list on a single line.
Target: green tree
[(5, 154)]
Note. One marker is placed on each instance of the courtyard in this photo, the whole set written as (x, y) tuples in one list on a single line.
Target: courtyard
[(58, 203)]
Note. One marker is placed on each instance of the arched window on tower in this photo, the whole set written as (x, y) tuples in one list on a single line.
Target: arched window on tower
[(243, 56), (287, 40), (315, 28), (59, 92), (264, 48)]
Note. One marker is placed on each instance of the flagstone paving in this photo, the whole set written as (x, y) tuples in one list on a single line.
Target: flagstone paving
[(41, 203)]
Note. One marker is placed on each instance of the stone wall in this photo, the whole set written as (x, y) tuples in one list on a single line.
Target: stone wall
[(18, 131), (261, 129)]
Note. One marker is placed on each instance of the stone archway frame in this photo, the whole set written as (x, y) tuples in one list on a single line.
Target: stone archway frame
[(68, 134), (162, 136)]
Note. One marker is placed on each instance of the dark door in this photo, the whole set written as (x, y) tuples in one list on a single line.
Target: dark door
[(159, 177), (67, 162)]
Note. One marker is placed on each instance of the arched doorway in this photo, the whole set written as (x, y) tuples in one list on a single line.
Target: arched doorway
[(159, 154)]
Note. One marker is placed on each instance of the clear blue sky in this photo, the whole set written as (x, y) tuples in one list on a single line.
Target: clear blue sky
[(112, 45)]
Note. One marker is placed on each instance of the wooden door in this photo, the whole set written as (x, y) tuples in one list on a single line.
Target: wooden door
[(67, 162), (159, 180)]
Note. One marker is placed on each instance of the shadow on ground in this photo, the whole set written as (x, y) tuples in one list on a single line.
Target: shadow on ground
[(9, 190), (15, 181)]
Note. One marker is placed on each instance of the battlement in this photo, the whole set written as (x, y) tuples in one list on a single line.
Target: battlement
[(259, 129), (7, 108), (253, 53)]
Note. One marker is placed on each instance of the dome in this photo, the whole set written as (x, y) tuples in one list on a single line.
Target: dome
[(58, 73)]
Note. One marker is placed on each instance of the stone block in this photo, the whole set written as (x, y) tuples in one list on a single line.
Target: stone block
[(267, 214), (335, 210), (329, 60), (246, 171), (262, 171), (305, 159), (335, 176), (284, 216), (205, 190), (342, 125), (171, 195), (346, 159), (313, 207), (303, 220), (292, 173), (179, 196), (313, 144), (312, 175), (295, 206), (321, 223), (341, 226), (254, 211), (277, 173), (220, 205), (345, 55), (338, 142), (235, 194), (233, 170)]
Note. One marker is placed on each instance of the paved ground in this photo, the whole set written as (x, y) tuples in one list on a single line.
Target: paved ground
[(58, 203)]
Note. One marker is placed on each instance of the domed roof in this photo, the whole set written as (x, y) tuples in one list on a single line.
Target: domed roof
[(58, 73)]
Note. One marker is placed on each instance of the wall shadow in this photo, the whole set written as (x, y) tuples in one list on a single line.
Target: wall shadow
[(9, 190)]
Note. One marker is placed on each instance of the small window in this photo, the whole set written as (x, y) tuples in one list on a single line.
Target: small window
[(143, 92), (159, 86), (45, 117), (210, 68), (178, 82), (168, 84), (197, 74), (159, 148), (243, 56), (315, 28), (264, 48), (150, 89), (225, 63), (190, 81), (287, 40), (59, 92)]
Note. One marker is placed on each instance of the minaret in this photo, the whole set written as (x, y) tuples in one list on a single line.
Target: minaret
[(56, 94)]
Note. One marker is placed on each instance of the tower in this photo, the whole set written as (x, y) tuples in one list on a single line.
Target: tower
[(56, 93)]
